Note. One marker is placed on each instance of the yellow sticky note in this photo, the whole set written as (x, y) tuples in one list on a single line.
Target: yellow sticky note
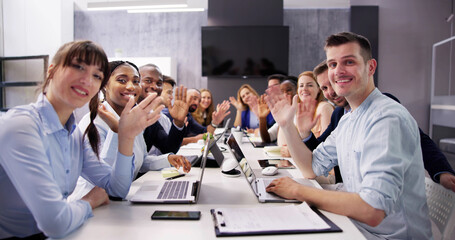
[(169, 173)]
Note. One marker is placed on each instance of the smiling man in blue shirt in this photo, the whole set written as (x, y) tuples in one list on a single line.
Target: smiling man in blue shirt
[(434, 160), (376, 145)]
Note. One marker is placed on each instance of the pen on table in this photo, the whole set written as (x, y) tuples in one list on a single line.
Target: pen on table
[(174, 177)]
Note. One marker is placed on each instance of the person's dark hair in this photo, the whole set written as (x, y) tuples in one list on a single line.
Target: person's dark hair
[(348, 37), (293, 79), (279, 77), (90, 54), (169, 80), (156, 68), (320, 68), (114, 64), (292, 82)]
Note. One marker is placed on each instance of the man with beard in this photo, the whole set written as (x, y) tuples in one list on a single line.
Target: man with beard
[(376, 145), (194, 130), (434, 160)]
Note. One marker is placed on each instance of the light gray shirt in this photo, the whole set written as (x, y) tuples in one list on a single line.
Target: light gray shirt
[(377, 147), (40, 162)]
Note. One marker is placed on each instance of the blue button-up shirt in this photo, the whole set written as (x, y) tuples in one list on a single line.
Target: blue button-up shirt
[(40, 162), (377, 147)]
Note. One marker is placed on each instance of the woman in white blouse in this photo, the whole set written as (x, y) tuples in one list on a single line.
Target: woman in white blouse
[(123, 84)]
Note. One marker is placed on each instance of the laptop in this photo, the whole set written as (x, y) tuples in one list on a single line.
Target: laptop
[(258, 184), (171, 191), (218, 157)]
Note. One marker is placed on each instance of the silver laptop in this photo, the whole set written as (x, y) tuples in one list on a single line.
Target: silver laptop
[(171, 191), (258, 184)]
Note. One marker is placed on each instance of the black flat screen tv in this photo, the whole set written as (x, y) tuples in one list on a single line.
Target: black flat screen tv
[(245, 51)]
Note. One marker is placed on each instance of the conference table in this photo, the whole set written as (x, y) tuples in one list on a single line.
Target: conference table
[(126, 220)]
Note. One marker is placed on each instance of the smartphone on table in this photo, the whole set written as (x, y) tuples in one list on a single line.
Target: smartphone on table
[(176, 215)]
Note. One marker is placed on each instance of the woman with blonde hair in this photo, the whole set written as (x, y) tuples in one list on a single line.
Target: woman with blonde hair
[(308, 88), (246, 104), (203, 113)]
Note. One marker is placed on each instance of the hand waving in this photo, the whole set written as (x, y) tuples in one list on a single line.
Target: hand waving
[(179, 110), (135, 119), (282, 111), (238, 105), (305, 117), (221, 112), (263, 109)]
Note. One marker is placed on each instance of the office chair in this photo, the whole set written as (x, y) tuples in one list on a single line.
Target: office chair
[(441, 205)]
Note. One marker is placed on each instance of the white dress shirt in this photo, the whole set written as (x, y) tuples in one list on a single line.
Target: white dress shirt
[(109, 145)]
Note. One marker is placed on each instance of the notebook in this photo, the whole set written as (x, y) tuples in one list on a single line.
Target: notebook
[(171, 191), (258, 184)]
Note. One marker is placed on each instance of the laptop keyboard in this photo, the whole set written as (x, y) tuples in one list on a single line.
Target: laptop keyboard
[(173, 190)]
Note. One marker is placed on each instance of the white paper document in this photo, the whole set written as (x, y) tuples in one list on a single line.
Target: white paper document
[(282, 218)]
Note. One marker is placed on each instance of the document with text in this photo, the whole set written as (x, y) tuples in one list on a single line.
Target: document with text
[(270, 220)]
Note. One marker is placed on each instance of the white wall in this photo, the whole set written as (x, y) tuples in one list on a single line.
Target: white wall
[(32, 27), (407, 31), (1, 28)]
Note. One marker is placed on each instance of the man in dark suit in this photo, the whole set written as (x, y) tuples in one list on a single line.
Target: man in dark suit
[(434, 160), (156, 135)]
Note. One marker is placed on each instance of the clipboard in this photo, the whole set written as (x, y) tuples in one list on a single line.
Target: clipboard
[(219, 222)]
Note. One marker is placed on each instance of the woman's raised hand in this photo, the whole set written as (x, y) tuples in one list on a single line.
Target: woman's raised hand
[(238, 105), (282, 111), (134, 119)]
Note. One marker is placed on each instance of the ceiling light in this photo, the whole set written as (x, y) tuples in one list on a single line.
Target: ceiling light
[(166, 10), (128, 5)]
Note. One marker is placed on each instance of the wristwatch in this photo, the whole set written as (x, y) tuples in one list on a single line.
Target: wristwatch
[(214, 125)]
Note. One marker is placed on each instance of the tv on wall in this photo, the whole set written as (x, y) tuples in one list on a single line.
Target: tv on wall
[(245, 51)]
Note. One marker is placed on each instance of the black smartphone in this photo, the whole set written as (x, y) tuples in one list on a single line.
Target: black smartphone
[(278, 163), (176, 215)]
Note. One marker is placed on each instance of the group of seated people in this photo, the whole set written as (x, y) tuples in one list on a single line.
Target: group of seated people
[(332, 121)]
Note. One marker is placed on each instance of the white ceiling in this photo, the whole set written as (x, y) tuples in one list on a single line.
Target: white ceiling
[(203, 3)]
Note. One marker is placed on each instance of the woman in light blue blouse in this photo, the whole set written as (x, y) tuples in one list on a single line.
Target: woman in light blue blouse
[(43, 152)]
